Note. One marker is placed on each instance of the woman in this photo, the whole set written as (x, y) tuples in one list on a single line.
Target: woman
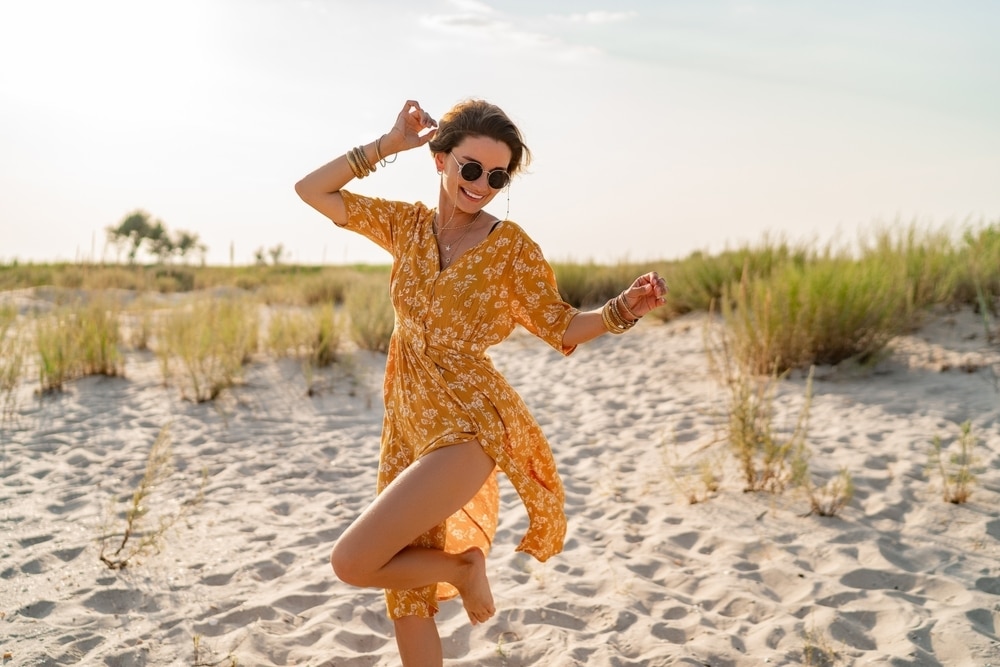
[(461, 279)]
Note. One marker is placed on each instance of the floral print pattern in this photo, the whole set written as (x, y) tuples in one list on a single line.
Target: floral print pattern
[(441, 387)]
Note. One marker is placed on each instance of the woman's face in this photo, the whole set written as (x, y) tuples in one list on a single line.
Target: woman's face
[(491, 155)]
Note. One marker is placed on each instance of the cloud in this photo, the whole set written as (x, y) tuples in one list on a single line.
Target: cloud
[(601, 17), (473, 6), (503, 31)]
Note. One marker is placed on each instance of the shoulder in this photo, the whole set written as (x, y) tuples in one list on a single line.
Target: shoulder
[(379, 207), (513, 233)]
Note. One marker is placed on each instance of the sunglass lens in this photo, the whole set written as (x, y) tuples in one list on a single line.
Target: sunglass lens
[(497, 179), (471, 171)]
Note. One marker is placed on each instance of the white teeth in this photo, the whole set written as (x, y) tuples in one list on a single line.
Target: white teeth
[(470, 195)]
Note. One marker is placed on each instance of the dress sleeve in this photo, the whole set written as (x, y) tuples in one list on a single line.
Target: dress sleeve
[(537, 304), (376, 219)]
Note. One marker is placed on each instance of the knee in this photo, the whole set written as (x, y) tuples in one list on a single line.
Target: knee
[(346, 564)]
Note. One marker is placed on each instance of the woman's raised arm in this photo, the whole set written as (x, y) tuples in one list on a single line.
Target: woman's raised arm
[(321, 188)]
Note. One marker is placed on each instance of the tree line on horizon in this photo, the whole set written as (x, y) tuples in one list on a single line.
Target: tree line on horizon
[(138, 230)]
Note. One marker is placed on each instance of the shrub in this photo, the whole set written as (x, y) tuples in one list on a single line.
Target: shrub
[(326, 289), (170, 280)]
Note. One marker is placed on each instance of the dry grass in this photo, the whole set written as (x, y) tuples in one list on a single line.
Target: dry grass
[(79, 340), (817, 651), (314, 335), (769, 460), (956, 468), (832, 497), (205, 345), (12, 363), (138, 538), (786, 306), (370, 312)]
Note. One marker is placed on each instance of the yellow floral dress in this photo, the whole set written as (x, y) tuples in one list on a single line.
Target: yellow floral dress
[(442, 389)]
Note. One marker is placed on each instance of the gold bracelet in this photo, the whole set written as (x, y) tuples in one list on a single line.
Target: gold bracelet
[(608, 324), (352, 161), (620, 319), (625, 306), (363, 159), (359, 157), (611, 323)]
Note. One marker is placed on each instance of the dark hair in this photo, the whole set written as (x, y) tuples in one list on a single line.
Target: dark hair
[(478, 118)]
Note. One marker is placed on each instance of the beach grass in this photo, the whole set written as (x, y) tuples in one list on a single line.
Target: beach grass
[(821, 313), (588, 285), (136, 538), (370, 313), (205, 345), (770, 458), (786, 305), (78, 340), (956, 464), (314, 335), (12, 363), (830, 498)]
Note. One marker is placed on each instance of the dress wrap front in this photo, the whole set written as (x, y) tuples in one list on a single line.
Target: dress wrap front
[(440, 386)]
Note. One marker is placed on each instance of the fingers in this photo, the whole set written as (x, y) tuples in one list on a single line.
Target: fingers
[(423, 119), (648, 291)]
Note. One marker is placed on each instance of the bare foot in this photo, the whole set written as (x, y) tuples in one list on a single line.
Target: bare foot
[(477, 598)]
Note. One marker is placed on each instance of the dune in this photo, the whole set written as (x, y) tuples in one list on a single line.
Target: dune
[(264, 481)]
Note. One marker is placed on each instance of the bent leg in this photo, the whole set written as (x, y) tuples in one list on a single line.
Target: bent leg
[(374, 550)]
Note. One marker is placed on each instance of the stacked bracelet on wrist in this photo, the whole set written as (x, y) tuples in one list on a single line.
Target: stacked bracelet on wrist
[(613, 315), (378, 153), (359, 163)]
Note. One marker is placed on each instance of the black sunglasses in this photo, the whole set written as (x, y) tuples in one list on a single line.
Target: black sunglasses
[(471, 171)]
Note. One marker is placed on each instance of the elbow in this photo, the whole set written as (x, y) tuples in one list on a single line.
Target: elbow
[(302, 190)]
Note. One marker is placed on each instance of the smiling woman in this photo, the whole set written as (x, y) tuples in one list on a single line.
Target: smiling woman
[(461, 280)]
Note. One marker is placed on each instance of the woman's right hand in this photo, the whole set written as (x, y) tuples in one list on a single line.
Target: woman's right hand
[(406, 133)]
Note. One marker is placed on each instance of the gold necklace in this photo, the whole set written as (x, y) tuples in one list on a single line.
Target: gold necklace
[(447, 246)]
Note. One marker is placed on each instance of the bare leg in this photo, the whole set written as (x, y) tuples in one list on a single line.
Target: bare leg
[(418, 642), (373, 551)]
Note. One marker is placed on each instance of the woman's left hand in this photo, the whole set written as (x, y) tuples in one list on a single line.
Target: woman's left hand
[(647, 292)]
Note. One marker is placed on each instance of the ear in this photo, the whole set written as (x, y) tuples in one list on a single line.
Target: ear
[(439, 162)]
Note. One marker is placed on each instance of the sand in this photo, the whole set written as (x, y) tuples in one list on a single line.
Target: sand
[(899, 577)]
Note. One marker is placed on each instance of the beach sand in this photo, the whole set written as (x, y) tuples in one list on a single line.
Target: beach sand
[(264, 481)]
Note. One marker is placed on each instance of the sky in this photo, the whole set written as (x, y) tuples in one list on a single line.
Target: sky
[(658, 127)]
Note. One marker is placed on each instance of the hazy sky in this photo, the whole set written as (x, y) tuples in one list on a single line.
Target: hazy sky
[(658, 128)]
